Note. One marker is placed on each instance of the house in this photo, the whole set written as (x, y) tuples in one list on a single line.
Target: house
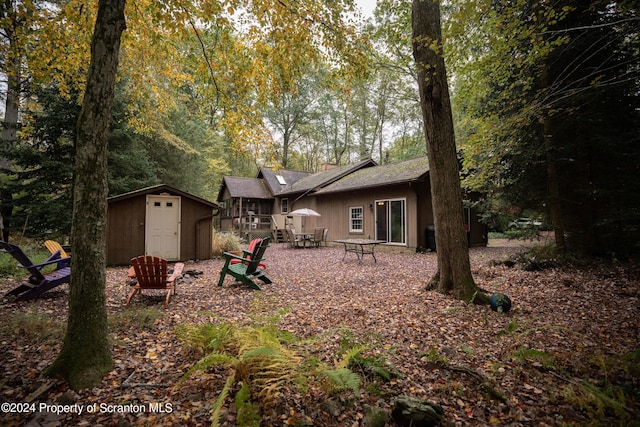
[(364, 200), (159, 220), (247, 204)]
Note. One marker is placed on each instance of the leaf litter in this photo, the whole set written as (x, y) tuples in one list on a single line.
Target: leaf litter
[(567, 333)]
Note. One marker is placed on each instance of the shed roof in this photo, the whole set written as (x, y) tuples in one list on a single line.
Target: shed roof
[(250, 188), (393, 173), (160, 189), (324, 178)]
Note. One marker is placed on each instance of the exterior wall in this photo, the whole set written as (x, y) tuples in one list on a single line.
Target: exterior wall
[(335, 211), (125, 229), (426, 214), (195, 230)]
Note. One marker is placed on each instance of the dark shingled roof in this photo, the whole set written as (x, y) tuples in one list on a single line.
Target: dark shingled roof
[(394, 173), (271, 180), (160, 188), (250, 188), (324, 178)]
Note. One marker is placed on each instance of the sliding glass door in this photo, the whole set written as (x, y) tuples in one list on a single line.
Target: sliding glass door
[(391, 221)]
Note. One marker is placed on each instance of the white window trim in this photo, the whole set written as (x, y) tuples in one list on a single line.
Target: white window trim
[(356, 230), (284, 211)]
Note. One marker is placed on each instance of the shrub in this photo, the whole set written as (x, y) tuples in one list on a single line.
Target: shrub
[(224, 242)]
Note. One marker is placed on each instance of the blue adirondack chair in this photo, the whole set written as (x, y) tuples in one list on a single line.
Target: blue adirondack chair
[(38, 282)]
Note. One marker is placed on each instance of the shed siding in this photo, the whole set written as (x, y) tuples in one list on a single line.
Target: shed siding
[(126, 227), (195, 242), (125, 230)]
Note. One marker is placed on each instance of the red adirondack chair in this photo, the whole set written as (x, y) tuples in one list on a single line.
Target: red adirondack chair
[(151, 272), (246, 253)]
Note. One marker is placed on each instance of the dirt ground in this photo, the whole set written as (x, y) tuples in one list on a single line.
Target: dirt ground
[(548, 361)]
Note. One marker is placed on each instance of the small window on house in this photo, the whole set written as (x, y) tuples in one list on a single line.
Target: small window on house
[(356, 223), (281, 180), (169, 204), (157, 204), (284, 206)]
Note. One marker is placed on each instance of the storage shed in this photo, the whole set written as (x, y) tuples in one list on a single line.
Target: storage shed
[(161, 221)]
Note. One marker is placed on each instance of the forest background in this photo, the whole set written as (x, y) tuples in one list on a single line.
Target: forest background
[(545, 98)]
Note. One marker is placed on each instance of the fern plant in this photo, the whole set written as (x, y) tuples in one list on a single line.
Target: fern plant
[(343, 379), (256, 355)]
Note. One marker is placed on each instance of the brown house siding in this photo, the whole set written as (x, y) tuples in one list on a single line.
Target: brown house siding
[(334, 208), (339, 204)]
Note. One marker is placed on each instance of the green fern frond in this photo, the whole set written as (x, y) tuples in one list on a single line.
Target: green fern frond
[(206, 337), (264, 352), (344, 379), (248, 413), (208, 361), (349, 355), (217, 405)]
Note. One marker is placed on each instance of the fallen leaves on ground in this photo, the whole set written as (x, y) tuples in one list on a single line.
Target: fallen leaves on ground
[(566, 330)]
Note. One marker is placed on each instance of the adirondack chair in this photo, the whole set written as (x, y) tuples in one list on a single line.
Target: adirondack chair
[(38, 282), (246, 253), (54, 246), (152, 273), (247, 269)]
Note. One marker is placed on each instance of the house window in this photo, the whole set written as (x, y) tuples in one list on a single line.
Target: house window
[(356, 223), (284, 206), (391, 220)]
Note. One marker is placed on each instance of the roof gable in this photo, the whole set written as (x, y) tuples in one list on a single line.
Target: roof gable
[(393, 173), (250, 188), (278, 180), (324, 178)]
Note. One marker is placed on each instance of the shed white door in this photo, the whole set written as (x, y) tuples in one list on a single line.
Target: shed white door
[(162, 233)]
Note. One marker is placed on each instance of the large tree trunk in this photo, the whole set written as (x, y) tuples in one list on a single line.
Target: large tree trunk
[(86, 356), (555, 204), (454, 269), (13, 64)]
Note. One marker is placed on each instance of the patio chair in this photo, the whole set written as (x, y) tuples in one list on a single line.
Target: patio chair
[(247, 269), (38, 282), (246, 253), (152, 273), (294, 239), (318, 235)]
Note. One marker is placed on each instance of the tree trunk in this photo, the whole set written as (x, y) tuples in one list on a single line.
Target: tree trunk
[(13, 63), (86, 356), (553, 184), (454, 269)]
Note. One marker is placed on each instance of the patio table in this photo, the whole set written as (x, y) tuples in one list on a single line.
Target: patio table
[(304, 238), (360, 247)]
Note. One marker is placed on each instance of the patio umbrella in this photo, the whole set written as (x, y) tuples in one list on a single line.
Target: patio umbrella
[(304, 212)]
